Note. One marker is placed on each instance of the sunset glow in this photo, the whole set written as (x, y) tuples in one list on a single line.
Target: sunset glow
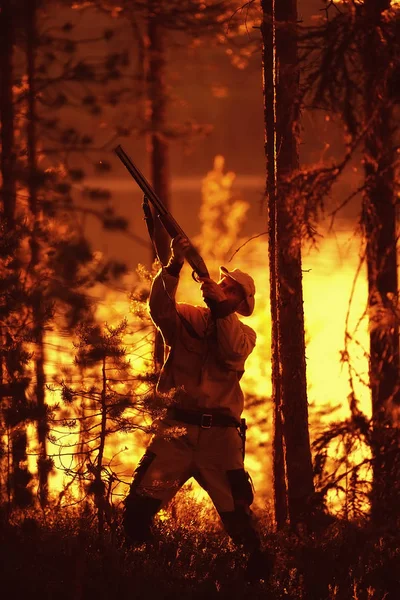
[(329, 273), (199, 299)]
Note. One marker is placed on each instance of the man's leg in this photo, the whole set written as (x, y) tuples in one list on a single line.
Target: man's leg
[(140, 509), (222, 474), (238, 519), (163, 469), (240, 524)]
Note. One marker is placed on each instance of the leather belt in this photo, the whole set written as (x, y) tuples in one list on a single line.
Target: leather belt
[(204, 420)]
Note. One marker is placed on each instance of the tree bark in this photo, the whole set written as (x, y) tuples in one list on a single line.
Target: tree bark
[(289, 318), (18, 474), (290, 290), (38, 299), (269, 88), (158, 97), (8, 156), (159, 157), (99, 484), (379, 220)]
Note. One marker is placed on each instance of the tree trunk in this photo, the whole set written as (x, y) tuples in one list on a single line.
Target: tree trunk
[(8, 157), (158, 97), (379, 219), (289, 320), (290, 291), (38, 299), (99, 484), (269, 88), (18, 474), (158, 100)]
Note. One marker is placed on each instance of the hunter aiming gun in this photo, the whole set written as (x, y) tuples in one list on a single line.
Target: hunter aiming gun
[(173, 229)]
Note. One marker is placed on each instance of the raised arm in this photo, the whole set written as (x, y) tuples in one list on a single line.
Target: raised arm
[(162, 294)]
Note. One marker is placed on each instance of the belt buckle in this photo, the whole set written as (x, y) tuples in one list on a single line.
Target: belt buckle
[(206, 421)]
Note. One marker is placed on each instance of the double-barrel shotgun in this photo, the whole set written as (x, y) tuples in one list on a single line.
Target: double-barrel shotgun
[(169, 223)]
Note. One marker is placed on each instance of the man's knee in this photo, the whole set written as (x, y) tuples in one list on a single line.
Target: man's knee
[(241, 488), (138, 516), (239, 523)]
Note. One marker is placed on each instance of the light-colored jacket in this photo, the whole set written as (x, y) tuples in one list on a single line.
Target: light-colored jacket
[(205, 359)]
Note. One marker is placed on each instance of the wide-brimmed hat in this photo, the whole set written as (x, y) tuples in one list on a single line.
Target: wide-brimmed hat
[(246, 283)]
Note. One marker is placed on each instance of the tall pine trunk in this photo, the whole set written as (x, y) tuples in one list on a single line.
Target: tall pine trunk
[(8, 156), (269, 87), (289, 318), (379, 220), (159, 147), (18, 476), (290, 288), (38, 301)]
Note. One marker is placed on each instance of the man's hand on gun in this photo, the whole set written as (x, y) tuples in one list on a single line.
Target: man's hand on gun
[(179, 247), (209, 288)]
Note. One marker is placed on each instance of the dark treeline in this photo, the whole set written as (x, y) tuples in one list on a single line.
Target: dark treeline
[(63, 98)]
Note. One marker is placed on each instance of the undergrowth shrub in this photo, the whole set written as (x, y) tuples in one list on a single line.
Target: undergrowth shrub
[(59, 555)]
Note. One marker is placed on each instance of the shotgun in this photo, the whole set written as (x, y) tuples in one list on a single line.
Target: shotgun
[(167, 220)]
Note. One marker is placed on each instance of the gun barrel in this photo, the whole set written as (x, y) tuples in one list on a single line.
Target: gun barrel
[(140, 180), (168, 221)]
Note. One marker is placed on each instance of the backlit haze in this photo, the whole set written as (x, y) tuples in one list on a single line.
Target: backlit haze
[(330, 268), (230, 100)]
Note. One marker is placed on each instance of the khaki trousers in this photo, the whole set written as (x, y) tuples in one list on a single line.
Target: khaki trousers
[(177, 452)]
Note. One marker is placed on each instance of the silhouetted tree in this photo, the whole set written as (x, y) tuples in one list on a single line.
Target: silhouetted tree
[(110, 402), (379, 221), (289, 365), (352, 68), (46, 261), (278, 457), (12, 356), (38, 301)]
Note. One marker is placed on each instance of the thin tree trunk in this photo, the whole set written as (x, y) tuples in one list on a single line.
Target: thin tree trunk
[(4, 435), (99, 485), (8, 156), (159, 145), (83, 440), (38, 301), (379, 219), (158, 100), (7, 166), (290, 292), (269, 87), (19, 476), (140, 74)]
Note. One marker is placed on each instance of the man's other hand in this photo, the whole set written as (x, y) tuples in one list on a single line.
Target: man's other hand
[(179, 247)]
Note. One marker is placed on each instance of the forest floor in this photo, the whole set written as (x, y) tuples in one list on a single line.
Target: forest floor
[(60, 556)]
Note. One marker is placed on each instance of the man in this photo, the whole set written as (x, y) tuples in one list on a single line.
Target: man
[(206, 352)]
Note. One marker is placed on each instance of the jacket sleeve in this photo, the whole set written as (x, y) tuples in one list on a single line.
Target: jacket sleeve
[(235, 340), (162, 304)]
